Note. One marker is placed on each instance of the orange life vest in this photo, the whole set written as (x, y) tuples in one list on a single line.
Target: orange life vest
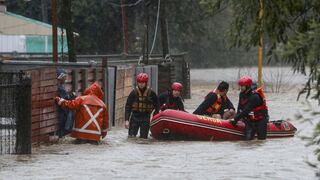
[(216, 106), (259, 113)]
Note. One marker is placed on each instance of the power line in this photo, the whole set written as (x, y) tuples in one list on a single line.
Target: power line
[(156, 29), (125, 5)]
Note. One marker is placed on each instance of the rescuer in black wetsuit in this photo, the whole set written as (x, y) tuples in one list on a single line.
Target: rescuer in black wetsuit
[(252, 109), (141, 102)]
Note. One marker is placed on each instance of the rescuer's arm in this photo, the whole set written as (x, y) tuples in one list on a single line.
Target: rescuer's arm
[(210, 99)]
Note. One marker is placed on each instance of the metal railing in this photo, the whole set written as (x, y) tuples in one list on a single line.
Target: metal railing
[(15, 113)]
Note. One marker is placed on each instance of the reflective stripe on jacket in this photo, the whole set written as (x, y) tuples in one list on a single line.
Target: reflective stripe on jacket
[(259, 112), (216, 106), (91, 118)]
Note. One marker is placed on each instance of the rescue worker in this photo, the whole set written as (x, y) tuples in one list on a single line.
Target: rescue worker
[(141, 102), (252, 109), (172, 99), (217, 104), (91, 117), (65, 116)]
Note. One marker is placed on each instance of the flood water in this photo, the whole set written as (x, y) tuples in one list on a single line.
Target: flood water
[(120, 158)]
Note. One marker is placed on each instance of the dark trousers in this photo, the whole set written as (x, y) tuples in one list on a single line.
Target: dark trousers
[(139, 122), (66, 120), (259, 128)]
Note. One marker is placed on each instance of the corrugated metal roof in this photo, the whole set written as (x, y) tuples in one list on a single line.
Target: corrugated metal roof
[(14, 24)]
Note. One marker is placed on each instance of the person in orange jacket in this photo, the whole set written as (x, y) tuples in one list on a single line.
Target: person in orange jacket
[(217, 104), (91, 117)]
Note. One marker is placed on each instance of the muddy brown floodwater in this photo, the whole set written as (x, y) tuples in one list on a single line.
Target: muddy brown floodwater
[(120, 158)]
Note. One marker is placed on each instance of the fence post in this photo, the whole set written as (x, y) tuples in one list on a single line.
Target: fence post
[(84, 79), (23, 105), (75, 80)]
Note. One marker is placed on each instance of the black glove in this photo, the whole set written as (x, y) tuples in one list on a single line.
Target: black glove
[(234, 122)]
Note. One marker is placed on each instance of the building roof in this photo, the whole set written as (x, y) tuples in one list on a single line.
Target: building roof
[(14, 24)]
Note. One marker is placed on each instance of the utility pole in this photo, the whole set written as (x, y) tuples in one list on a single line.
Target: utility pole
[(145, 48), (164, 32), (67, 14), (261, 45), (54, 30), (124, 28)]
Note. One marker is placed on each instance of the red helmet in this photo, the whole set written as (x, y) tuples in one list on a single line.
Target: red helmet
[(245, 81), (176, 86), (142, 78)]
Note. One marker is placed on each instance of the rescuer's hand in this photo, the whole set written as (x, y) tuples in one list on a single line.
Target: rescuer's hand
[(163, 107), (59, 100), (126, 125), (233, 122)]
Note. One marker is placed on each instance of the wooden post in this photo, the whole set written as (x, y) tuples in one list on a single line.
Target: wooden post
[(145, 48), (75, 81), (23, 122), (164, 32), (54, 30), (67, 21), (124, 28), (84, 79)]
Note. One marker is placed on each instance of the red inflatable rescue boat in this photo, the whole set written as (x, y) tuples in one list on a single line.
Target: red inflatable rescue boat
[(179, 125)]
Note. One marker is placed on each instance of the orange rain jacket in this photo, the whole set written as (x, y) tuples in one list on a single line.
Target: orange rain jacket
[(91, 117)]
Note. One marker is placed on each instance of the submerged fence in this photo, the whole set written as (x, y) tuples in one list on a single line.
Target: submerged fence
[(27, 109), (15, 113)]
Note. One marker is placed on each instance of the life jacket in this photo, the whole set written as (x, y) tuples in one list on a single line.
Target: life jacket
[(216, 106), (143, 101), (260, 112)]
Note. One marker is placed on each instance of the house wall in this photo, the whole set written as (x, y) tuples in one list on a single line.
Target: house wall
[(30, 44)]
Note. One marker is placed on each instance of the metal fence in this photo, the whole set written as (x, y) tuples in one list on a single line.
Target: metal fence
[(15, 113), (178, 64)]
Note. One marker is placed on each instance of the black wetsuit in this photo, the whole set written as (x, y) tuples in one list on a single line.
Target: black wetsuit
[(247, 102), (138, 111)]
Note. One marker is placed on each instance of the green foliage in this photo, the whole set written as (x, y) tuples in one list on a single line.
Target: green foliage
[(290, 30), (315, 140), (28, 9), (99, 26), (202, 35), (190, 28)]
